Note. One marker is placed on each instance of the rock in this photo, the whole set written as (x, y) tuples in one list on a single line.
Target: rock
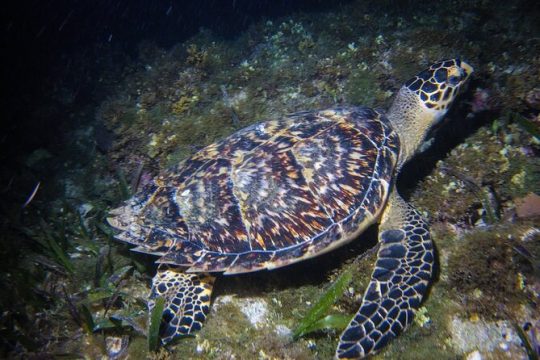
[(475, 355), (283, 331), (103, 137), (485, 337), (528, 206), (117, 347), (255, 309), (532, 98)]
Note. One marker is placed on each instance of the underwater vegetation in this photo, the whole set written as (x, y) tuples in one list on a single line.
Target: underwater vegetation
[(76, 292), (318, 318)]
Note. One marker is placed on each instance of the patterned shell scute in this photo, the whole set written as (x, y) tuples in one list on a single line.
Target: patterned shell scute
[(269, 195)]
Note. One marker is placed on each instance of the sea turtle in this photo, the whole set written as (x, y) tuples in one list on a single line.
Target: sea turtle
[(281, 191)]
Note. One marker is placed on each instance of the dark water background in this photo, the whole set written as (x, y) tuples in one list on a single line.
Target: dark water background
[(41, 39), (44, 44)]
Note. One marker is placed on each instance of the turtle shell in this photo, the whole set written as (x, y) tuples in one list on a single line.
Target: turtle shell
[(269, 195)]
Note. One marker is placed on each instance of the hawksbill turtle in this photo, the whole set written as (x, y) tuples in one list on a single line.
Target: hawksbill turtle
[(286, 190)]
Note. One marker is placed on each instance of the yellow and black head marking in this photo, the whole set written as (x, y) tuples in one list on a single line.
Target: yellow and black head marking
[(438, 85)]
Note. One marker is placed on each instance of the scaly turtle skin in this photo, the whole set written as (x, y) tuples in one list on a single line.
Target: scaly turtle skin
[(286, 190)]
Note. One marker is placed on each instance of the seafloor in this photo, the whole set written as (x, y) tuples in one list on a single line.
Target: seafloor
[(74, 291)]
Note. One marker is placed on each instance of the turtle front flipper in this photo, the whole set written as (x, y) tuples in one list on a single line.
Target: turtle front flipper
[(399, 282), (187, 300)]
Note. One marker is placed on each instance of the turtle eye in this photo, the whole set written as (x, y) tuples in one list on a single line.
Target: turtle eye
[(455, 76), (453, 80)]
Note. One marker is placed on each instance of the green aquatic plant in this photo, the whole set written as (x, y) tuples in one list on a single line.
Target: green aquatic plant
[(106, 230), (527, 125), (85, 236), (59, 235), (80, 313), (123, 186), (53, 243), (87, 318), (105, 293), (317, 318), (490, 204), (155, 322), (119, 321), (108, 288), (531, 351)]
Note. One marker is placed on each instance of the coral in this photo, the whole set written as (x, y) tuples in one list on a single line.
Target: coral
[(447, 195), (481, 101), (196, 56), (184, 104), (478, 259), (361, 89), (148, 100)]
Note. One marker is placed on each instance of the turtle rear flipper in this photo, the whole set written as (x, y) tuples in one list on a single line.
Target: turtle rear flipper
[(399, 282), (187, 300)]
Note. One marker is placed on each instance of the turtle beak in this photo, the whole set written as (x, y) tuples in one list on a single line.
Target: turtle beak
[(467, 69)]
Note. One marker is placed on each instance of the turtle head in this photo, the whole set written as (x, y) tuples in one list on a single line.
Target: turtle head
[(437, 86), (423, 101)]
